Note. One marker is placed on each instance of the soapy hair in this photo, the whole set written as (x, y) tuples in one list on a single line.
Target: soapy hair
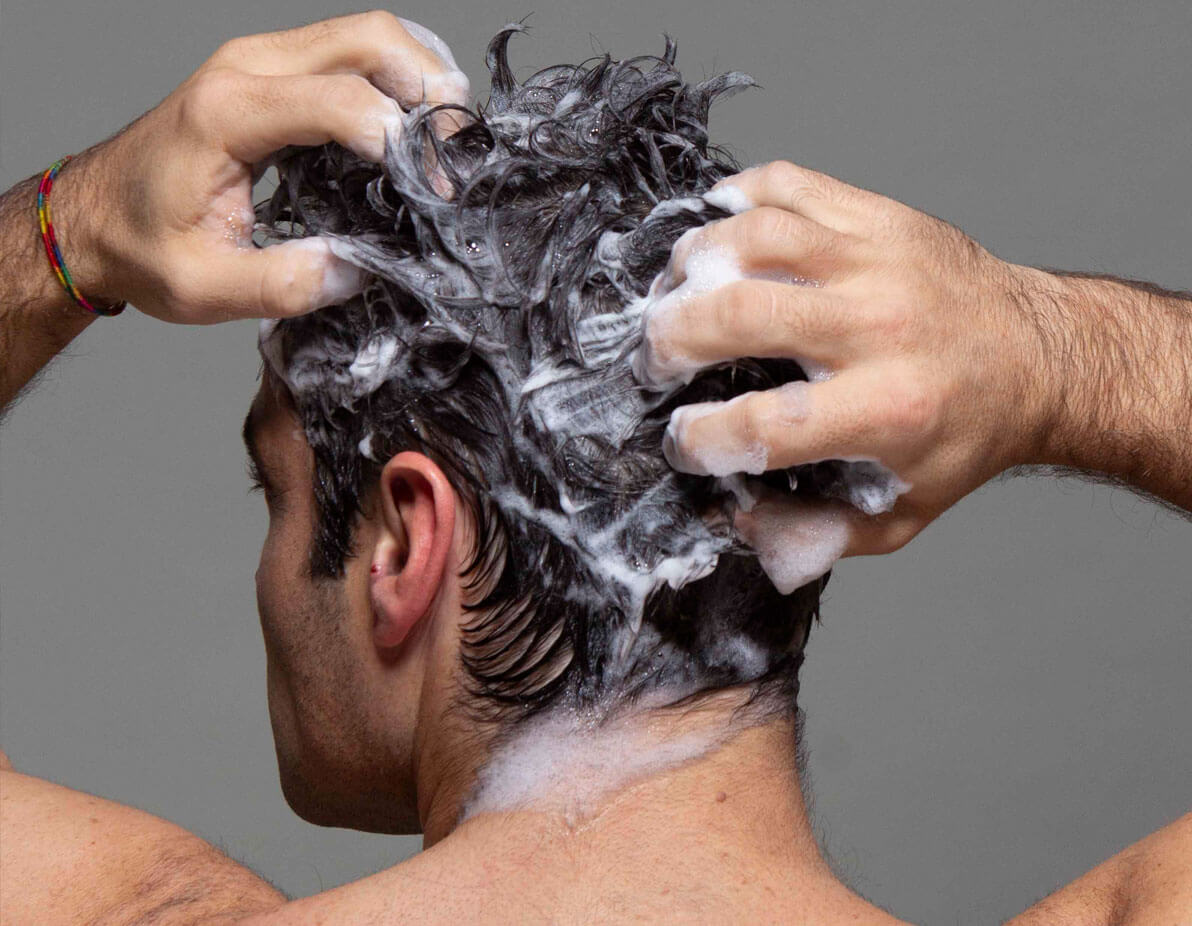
[(495, 336)]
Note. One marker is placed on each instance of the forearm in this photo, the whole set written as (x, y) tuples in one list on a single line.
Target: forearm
[(37, 318), (1118, 357)]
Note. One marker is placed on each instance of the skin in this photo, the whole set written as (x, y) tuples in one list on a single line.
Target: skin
[(948, 365), (363, 681)]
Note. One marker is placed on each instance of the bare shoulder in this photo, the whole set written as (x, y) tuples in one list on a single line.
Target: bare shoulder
[(68, 857), (1149, 882)]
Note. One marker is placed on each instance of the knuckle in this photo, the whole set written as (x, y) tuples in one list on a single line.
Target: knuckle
[(913, 408), (764, 311), (348, 92), (229, 52), (734, 305), (894, 319), (381, 21), (659, 348), (805, 189), (280, 295), (831, 317), (752, 418), (766, 223), (780, 174), (373, 28), (208, 95)]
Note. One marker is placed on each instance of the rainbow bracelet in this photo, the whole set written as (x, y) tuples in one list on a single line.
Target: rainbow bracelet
[(53, 252)]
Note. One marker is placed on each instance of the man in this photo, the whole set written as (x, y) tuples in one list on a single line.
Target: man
[(412, 684)]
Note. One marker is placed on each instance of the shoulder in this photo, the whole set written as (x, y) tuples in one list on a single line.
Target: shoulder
[(1149, 882), (67, 856)]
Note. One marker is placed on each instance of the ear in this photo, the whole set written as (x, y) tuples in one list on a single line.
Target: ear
[(410, 559)]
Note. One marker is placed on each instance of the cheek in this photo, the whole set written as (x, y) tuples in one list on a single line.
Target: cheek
[(284, 590), (270, 581)]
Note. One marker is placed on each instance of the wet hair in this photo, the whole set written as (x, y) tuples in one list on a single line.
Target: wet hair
[(495, 336)]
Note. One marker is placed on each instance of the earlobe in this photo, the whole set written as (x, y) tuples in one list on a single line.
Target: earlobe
[(409, 560)]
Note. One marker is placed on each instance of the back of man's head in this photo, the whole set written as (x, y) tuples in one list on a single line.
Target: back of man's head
[(496, 337)]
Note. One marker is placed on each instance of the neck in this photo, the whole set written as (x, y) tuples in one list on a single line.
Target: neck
[(641, 780), (714, 815), (573, 764)]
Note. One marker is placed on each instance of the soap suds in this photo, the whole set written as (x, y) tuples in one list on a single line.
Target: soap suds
[(568, 763), (796, 541), (452, 86), (867, 485), (495, 334), (570, 760), (658, 363), (729, 197), (721, 454)]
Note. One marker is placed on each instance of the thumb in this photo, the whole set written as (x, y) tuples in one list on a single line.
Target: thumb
[(279, 281)]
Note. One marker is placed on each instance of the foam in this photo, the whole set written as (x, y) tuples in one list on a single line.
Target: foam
[(447, 285), (867, 485), (729, 197), (452, 86), (796, 541), (570, 761), (720, 454), (658, 363)]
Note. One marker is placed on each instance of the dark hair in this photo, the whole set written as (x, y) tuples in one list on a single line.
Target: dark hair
[(495, 336)]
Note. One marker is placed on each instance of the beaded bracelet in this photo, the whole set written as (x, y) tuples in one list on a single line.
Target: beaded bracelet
[(53, 252)]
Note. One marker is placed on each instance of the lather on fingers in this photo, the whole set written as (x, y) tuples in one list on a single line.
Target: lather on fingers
[(764, 242), (847, 417), (798, 539), (183, 252), (687, 332), (809, 193), (925, 367)]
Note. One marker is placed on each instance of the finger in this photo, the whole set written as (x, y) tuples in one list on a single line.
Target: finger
[(763, 242), (853, 415), (287, 279), (256, 115), (403, 58), (797, 540), (687, 332), (787, 186)]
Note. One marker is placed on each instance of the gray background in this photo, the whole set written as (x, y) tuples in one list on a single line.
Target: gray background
[(991, 711)]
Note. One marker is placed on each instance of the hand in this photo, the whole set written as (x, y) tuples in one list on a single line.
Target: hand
[(161, 214), (922, 355)]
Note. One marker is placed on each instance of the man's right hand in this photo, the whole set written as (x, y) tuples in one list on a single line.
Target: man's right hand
[(161, 214)]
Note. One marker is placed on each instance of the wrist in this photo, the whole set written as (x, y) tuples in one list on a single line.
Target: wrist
[(1113, 375), (1035, 425), (79, 219)]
